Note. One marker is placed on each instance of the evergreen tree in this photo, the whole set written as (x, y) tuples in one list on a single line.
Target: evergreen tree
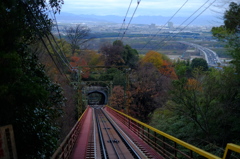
[(229, 32), (29, 100)]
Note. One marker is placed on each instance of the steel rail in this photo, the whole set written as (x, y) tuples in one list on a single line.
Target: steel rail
[(130, 148), (110, 139), (102, 144), (94, 131)]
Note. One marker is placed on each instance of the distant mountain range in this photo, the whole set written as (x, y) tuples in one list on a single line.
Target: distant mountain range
[(159, 20)]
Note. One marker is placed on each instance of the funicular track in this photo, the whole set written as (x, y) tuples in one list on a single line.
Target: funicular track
[(113, 143), (83, 139)]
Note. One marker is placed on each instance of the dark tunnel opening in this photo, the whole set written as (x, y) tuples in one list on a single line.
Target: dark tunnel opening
[(97, 98)]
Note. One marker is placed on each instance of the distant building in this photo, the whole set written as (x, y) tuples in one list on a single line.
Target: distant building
[(170, 25), (152, 26)]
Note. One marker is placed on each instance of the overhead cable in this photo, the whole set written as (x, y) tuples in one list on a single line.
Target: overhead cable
[(138, 2), (165, 24), (40, 36), (125, 18), (188, 23)]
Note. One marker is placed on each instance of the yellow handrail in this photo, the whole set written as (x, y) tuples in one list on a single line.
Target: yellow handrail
[(231, 147), (180, 142), (59, 150)]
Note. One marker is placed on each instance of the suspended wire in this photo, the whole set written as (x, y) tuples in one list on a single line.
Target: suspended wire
[(193, 13), (164, 25), (60, 37), (42, 40), (185, 20), (53, 47), (186, 25), (63, 57), (138, 2), (123, 24)]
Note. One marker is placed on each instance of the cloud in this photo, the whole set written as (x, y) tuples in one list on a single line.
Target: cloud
[(119, 7)]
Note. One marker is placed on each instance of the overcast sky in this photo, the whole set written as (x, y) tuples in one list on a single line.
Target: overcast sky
[(146, 7)]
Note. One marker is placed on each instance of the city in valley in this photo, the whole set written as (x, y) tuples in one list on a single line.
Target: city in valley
[(176, 40)]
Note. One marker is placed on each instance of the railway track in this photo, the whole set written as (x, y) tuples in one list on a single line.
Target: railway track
[(112, 142)]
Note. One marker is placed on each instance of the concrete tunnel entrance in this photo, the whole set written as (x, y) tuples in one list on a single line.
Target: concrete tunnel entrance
[(97, 97)]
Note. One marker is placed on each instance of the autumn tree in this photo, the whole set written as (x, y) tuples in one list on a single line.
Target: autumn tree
[(77, 36), (77, 62), (117, 99), (153, 57), (148, 90), (161, 62), (168, 70), (92, 58), (112, 54)]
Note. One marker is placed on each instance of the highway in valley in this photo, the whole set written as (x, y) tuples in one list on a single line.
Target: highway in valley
[(210, 56)]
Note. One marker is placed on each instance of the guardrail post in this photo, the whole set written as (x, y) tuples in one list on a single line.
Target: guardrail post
[(163, 143), (191, 153), (228, 154), (155, 138), (148, 134), (175, 149), (128, 123)]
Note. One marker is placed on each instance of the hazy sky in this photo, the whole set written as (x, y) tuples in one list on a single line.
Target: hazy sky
[(146, 7)]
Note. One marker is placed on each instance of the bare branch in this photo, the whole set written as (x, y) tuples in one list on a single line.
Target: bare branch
[(77, 36)]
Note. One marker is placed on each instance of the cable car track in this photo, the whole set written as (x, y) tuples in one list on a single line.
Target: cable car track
[(112, 143)]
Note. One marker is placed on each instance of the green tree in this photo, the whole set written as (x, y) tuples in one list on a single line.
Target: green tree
[(115, 75), (199, 63), (118, 54), (229, 32), (182, 69), (29, 100), (130, 56), (203, 109)]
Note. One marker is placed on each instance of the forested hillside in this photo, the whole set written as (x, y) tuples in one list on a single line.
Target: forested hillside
[(186, 99), (31, 100)]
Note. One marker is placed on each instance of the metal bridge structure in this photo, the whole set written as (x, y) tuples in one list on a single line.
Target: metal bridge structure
[(103, 132)]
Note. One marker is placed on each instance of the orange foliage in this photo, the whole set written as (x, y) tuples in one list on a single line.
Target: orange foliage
[(78, 62), (164, 66), (75, 61), (168, 70), (153, 57)]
